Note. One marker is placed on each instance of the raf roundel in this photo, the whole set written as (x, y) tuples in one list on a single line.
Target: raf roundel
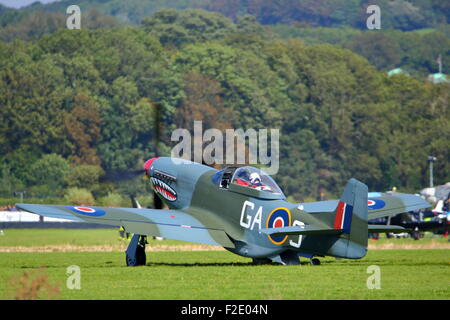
[(84, 209), (278, 218), (374, 204), (87, 211)]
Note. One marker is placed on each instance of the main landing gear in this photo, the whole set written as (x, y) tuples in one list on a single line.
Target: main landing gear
[(286, 258), (135, 254), (261, 261)]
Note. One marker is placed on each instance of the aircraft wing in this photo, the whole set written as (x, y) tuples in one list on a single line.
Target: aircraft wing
[(170, 224), (391, 204), (379, 204)]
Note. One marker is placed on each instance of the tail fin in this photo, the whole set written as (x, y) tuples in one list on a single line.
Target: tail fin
[(351, 218)]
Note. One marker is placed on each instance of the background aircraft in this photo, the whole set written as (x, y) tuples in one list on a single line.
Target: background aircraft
[(436, 220), (243, 210)]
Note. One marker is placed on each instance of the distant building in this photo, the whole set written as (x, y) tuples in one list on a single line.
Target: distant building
[(438, 78), (397, 71)]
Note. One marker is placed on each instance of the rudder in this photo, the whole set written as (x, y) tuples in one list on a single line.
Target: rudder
[(351, 217)]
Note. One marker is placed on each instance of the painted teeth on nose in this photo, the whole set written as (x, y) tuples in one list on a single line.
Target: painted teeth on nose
[(164, 189)]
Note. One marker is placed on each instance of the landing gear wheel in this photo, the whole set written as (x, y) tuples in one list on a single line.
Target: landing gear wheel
[(261, 261), (135, 254), (140, 258), (131, 261), (315, 262)]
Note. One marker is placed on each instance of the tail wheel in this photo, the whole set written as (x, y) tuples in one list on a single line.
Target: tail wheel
[(315, 262)]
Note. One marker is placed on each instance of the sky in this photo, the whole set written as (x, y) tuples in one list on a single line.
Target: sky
[(21, 3)]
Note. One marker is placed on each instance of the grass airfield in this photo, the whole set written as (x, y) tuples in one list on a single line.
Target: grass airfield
[(179, 270)]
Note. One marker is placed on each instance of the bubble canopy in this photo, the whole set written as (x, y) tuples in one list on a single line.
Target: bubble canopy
[(248, 177)]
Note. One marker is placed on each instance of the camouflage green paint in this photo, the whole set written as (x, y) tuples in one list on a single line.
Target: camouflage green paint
[(237, 217)]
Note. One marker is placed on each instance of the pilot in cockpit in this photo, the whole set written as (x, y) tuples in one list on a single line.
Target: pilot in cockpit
[(255, 182), (252, 180)]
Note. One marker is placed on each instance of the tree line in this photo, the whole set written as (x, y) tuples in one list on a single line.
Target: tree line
[(76, 104), (403, 15)]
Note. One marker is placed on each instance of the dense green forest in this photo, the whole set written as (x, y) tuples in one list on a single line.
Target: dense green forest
[(75, 104), (398, 14), (414, 33)]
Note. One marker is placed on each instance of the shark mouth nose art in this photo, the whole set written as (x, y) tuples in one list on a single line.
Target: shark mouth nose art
[(164, 189)]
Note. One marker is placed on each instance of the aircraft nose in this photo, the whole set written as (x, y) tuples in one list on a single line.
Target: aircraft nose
[(148, 164)]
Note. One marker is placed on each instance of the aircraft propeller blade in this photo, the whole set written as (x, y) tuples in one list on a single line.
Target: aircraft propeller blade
[(121, 175)]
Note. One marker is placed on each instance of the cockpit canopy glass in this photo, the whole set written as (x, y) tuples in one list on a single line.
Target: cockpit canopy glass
[(256, 179)]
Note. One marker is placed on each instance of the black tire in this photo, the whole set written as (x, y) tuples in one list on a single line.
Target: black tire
[(141, 256), (315, 262), (261, 261), (130, 261), (139, 260)]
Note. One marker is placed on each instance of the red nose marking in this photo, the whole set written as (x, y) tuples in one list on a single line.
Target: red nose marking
[(148, 164)]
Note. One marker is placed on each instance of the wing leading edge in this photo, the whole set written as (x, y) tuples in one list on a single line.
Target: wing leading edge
[(170, 224)]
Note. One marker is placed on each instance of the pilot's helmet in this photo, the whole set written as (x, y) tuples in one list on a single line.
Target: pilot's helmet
[(243, 174), (255, 178)]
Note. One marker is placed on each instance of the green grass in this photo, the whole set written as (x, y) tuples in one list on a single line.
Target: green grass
[(97, 237), (405, 274), (79, 237), (408, 274)]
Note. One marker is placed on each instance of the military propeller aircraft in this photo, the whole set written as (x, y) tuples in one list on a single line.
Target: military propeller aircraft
[(243, 210)]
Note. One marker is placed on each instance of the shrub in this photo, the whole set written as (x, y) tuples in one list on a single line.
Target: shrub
[(84, 176), (113, 200), (79, 196)]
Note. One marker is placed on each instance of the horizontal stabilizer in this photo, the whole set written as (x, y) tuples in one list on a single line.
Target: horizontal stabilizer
[(379, 228), (297, 230)]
